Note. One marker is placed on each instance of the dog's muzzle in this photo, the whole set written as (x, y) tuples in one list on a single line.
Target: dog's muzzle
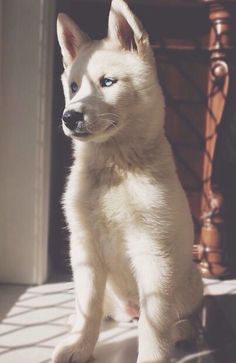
[(74, 121)]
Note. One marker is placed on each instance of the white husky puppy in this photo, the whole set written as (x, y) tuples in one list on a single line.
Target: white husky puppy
[(131, 231)]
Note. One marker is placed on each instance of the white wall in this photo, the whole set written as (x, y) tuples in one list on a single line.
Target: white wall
[(25, 123)]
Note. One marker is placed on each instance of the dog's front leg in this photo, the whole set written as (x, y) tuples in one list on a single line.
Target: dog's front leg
[(89, 278), (156, 309)]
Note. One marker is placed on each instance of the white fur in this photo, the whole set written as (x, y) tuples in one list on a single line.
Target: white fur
[(129, 220)]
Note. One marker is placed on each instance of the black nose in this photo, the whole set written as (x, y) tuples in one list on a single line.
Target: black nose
[(71, 119)]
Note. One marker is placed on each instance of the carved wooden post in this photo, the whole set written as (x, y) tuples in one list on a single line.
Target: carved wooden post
[(210, 247)]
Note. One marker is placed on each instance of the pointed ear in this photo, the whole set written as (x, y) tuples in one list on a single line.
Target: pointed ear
[(70, 38), (125, 28)]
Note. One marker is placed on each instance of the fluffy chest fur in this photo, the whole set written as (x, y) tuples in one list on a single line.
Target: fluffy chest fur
[(116, 198)]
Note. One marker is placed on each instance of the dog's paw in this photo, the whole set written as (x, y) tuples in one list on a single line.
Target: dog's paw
[(72, 350)]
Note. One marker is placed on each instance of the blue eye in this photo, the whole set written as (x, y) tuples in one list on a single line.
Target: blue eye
[(107, 82), (74, 87)]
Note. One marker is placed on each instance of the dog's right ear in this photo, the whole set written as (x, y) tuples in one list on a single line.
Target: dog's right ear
[(126, 29), (70, 38)]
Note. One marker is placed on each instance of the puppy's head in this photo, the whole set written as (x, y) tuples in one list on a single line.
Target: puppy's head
[(109, 83)]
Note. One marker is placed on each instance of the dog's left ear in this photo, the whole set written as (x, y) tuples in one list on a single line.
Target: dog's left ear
[(70, 38), (126, 29)]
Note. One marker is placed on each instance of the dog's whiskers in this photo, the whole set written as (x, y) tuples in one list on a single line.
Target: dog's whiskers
[(110, 122), (108, 114)]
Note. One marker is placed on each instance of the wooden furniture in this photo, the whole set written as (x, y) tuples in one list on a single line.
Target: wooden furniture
[(214, 48), (210, 248), (194, 43)]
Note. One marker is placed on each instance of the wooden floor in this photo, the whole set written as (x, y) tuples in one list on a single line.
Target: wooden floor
[(34, 319)]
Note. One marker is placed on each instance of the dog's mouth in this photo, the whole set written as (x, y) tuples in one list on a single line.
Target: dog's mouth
[(86, 134), (83, 134)]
